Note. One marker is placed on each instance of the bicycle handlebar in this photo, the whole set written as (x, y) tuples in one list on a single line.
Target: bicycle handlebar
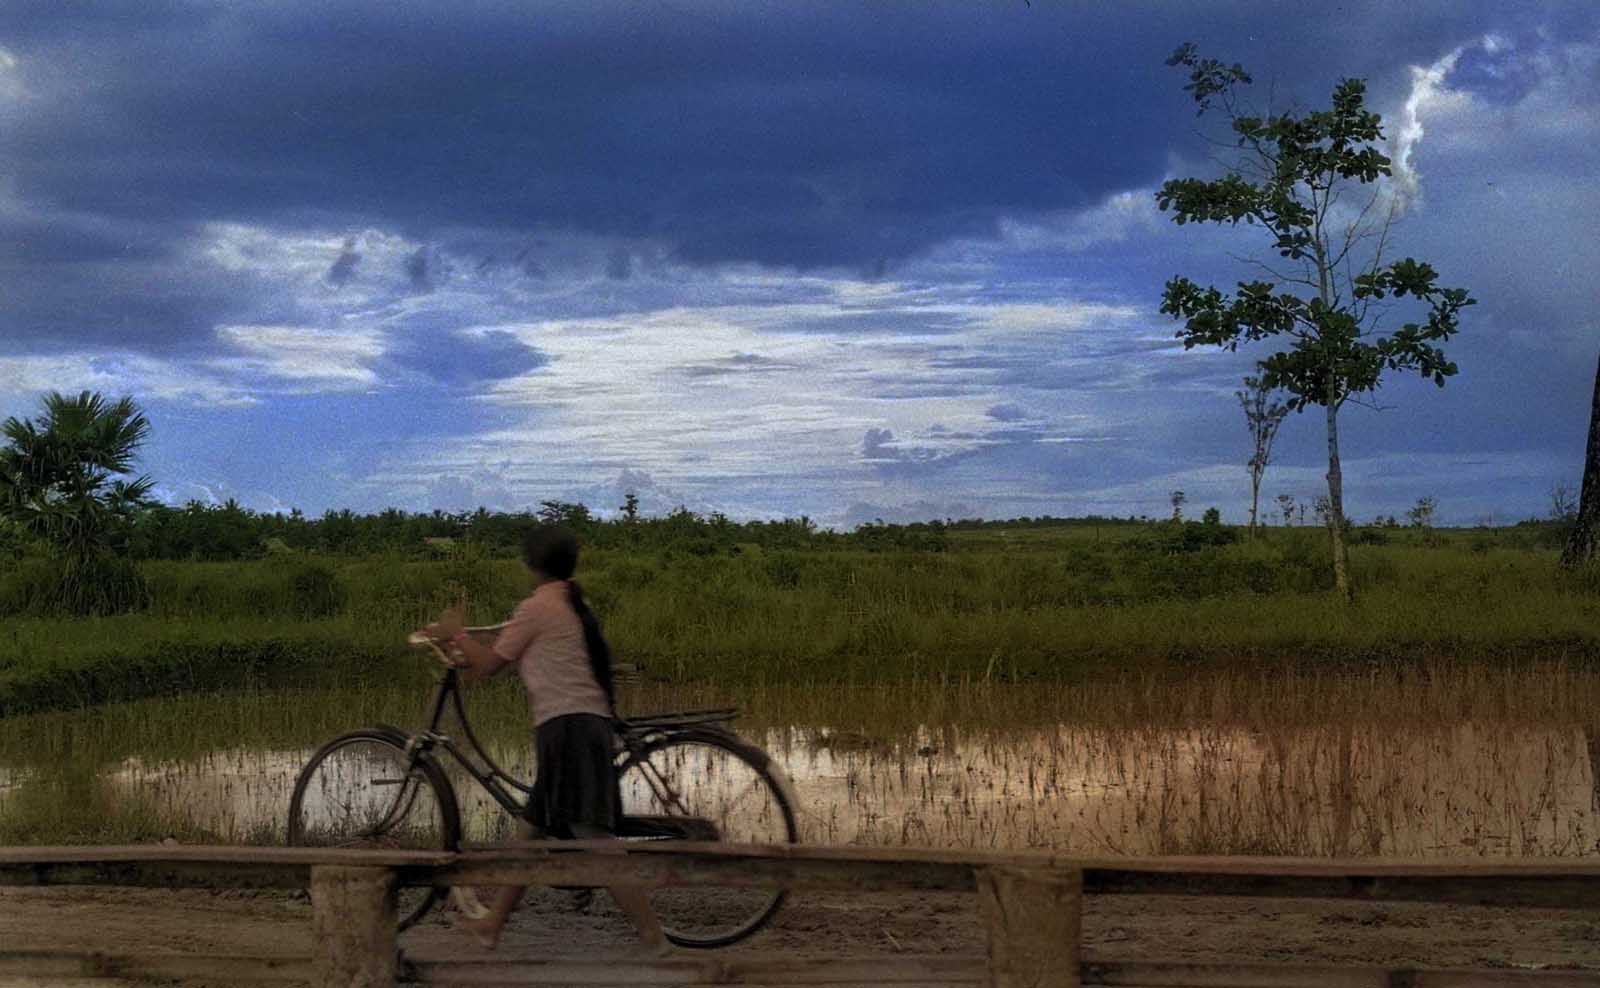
[(421, 639)]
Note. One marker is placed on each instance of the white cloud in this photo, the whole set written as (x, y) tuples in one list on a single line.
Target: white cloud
[(313, 359), (117, 374), (12, 89), (1428, 96), (1116, 218)]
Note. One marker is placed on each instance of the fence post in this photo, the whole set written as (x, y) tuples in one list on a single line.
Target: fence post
[(1034, 918), (353, 927)]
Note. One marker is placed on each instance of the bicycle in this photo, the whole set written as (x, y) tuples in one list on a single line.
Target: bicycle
[(683, 776)]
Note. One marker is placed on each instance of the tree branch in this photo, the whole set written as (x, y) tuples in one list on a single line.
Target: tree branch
[(1274, 272)]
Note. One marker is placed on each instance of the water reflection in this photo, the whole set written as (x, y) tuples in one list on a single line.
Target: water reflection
[(1312, 790)]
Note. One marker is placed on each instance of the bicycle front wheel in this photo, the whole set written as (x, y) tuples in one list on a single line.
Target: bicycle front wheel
[(361, 790), (705, 785)]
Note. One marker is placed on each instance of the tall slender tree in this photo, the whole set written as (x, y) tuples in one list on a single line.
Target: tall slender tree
[(1288, 177), (1263, 415), (1584, 544)]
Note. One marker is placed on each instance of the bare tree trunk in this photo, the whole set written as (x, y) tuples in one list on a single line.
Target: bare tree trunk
[(1255, 497), (1341, 556), (1584, 545)]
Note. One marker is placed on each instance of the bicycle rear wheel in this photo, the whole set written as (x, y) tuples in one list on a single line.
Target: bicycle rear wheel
[(707, 785), (360, 790)]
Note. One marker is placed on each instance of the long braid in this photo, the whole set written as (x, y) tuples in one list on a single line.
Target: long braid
[(599, 650)]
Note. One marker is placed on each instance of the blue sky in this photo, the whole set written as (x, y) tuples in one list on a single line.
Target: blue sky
[(893, 260)]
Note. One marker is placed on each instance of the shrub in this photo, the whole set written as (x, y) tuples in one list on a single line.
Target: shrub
[(28, 586), (315, 590), (106, 585), (783, 571)]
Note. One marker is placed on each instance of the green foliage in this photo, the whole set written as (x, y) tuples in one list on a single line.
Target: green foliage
[(315, 590), (1420, 514), (61, 482), (1322, 307), (1369, 535), (29, 586), (133, 657), (1583, 579), (1299, 163), (46, 586), (998, 604)]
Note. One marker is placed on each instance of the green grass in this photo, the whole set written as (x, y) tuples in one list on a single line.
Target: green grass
[(1034, 605)]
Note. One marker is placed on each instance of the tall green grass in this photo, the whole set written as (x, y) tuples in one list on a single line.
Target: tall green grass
[(1024, 609)]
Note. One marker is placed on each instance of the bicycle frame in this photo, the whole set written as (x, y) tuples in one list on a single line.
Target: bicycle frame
[(496, 781)]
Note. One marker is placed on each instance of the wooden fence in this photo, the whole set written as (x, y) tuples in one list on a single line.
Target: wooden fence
[(1031, 904)]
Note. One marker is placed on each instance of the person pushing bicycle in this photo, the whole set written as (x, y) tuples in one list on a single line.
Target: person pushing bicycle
[(554, 641)]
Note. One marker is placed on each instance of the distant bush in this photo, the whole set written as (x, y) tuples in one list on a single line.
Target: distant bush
[(46, 587), (1368, 535), (315, 590), (1191, 536), (782, 570)]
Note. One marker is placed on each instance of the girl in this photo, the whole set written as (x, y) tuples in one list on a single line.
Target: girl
[(554, 641)]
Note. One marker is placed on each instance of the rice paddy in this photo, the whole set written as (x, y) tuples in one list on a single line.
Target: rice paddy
[(1436, 758)]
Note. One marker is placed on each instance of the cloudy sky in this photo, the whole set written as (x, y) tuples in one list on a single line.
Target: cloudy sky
[(854, 260)]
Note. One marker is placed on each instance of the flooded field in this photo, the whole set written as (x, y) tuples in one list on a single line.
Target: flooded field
[(997, 767)]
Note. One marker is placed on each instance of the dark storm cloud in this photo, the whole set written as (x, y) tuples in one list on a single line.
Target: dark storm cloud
[(794, 135), (844, 136)]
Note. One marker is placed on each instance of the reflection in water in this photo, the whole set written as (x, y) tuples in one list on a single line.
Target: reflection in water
[(1312, 790)]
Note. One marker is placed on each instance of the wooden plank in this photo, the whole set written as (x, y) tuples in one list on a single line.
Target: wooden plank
[(1172, 974), (50, 965), (1557, 883), (203, 866), (1551, 891), (1262, 866), (734, 968), (715, 869), (1033, 921), (699, 969), (353, 927)]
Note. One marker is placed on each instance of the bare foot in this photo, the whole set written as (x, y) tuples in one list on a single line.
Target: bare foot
[(468, 902), (484, 929)]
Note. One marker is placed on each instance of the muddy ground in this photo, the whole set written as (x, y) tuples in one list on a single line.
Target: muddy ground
[(1115, 927)]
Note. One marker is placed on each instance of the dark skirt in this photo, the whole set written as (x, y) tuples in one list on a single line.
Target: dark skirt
[(575, 792)]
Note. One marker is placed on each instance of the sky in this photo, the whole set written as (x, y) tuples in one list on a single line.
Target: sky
[(895, 260)]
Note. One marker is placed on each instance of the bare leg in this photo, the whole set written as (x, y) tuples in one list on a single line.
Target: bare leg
[(487, 928), (633, 900)]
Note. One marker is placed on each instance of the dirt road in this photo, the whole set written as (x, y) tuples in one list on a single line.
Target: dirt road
[(1131, 927)]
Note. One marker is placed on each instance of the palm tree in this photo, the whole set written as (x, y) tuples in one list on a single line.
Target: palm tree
[(63, 478)]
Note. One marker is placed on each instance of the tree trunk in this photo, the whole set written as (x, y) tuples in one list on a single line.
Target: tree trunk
[(1584, 545), (1255, 498), (1341, 556)]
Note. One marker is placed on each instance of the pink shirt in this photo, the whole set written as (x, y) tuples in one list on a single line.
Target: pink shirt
[(544, 639)]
